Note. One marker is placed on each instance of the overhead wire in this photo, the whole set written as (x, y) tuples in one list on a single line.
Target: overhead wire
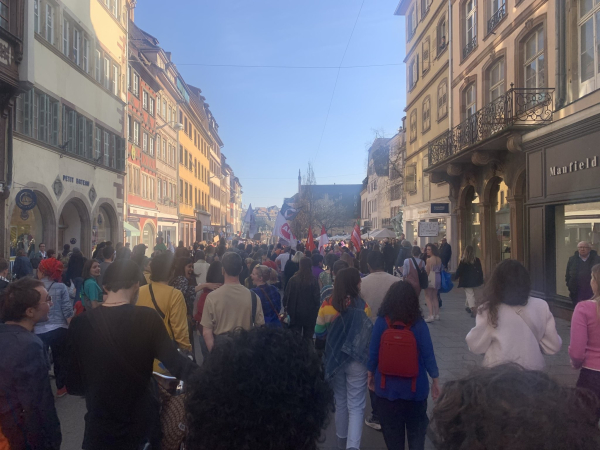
[(257, 66), (336, 79)]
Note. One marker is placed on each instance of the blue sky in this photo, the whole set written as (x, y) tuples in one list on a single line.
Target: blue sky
[(271, 119)]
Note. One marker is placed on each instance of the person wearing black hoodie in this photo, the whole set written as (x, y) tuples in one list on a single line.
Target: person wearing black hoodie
[(579, 272)]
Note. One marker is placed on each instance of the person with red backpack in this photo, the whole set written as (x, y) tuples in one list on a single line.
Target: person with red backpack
[(400, 357)]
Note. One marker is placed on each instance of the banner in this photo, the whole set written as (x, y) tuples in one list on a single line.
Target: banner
[(250, 220)]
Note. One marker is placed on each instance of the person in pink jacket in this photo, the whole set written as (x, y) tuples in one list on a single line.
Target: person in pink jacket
[(510, 325), (585, 338)]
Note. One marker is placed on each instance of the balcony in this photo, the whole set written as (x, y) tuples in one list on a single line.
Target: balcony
[(517, 109), (496, 18), (469, 47)]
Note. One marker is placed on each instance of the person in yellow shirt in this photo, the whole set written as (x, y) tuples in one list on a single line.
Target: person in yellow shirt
[(167, 301)]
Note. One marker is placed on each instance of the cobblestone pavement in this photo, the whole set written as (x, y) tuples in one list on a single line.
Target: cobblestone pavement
[(453, 358)]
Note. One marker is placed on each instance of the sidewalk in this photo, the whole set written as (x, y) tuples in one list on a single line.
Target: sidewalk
[(454, 360)]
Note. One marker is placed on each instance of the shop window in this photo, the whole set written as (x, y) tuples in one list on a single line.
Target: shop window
[(574, 223), (502, 223)]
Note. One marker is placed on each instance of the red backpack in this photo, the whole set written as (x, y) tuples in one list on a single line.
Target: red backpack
[(398, 354)]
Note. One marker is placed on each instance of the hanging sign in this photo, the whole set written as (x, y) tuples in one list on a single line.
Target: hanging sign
[(26, 199)]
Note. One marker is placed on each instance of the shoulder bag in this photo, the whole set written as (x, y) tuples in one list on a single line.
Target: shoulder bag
[(423, 278), (161, 314)]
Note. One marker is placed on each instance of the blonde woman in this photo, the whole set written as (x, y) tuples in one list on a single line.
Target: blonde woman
[(585, 338), (470, 275), (433, 266)]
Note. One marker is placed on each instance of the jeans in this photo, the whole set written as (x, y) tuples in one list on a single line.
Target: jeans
[(395, 416), (57, 341), (350, 392)]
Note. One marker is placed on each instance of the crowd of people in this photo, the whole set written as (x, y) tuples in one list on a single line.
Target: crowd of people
[(286, 337)]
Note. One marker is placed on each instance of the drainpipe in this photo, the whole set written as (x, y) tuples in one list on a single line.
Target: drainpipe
[(449, 40), (560, 73)]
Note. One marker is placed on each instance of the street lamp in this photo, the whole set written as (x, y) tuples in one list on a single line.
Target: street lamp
[(177, 126)]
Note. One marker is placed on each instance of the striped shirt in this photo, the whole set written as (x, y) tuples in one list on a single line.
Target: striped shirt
[(327, 314)]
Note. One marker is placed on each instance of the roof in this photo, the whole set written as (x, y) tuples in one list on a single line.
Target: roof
[(402, 8)]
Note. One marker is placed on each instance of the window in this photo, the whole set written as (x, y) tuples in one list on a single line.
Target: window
[(86, 55), (106, 73), (496, 80), (106, 149), (164, 150), (426, 189), (413, 125), (589, 46), (469, 101), (115, 80), (151, 145), (164, 108), (145, 100), (98, 144), (426, 45), (49, 23), (412, 22), (98, 73), (425, 4), (534, 66), (65, 37), (426, 114), (116, 8), (411, 178), (145, 142), (151, 109), (36, 16), (442, 96), (497, 13), (37, 116), (470, 27), (136, 133), (76, 44), (413, 72), (442, 40), (136, 84)]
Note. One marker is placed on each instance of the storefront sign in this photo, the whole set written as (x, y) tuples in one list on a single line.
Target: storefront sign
[(440, 208), (69, 179), (26, 199), (429, 229), (574, 166), (423, 212)]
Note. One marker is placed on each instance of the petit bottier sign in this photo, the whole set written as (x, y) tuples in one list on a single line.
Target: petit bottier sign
[(574, 166)]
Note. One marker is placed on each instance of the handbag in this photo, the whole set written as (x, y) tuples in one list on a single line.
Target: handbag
[(431, 281), (172, 412), (447, 284)]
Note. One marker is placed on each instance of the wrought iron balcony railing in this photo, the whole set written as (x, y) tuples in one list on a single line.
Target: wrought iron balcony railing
[(517, 107), (496, 17), (470, 46)]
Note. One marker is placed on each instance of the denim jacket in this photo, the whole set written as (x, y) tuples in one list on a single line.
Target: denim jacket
[(348, 338)]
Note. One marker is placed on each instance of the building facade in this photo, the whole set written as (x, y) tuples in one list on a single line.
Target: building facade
[(142, 210), (427, 117), (501, 90), (12, 31), (376, 198), (68, 126), (562, 187), (236, 206)]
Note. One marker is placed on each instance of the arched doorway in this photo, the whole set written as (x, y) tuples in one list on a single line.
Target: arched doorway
[(499, 245), (149, 237), (32, 227), (74, 226), (472, 220), (105, 226)]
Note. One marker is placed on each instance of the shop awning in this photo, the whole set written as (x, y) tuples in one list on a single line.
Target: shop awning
[(130, 230)]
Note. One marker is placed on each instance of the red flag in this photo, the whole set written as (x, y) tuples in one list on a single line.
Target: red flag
[(310, 242), (356, 238)]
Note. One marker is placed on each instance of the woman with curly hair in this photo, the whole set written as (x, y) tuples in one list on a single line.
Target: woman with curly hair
[(511, 326), (585, 338), (344, 321), (508, 407), (400, 407), (294, 409), (53, 333), (433, 266)]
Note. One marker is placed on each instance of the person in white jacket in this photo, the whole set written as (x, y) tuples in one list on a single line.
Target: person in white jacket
[(511, 326)]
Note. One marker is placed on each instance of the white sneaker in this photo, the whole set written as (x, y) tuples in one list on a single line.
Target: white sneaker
[(429, 319), (437, 317)]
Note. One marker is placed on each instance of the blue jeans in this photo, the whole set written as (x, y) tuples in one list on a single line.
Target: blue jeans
[(350, 392), (399, 415)]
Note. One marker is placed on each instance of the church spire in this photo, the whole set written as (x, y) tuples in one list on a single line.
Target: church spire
[(299, 181)]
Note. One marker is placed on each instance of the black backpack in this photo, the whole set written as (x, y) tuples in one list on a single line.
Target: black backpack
[(423, 278)]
